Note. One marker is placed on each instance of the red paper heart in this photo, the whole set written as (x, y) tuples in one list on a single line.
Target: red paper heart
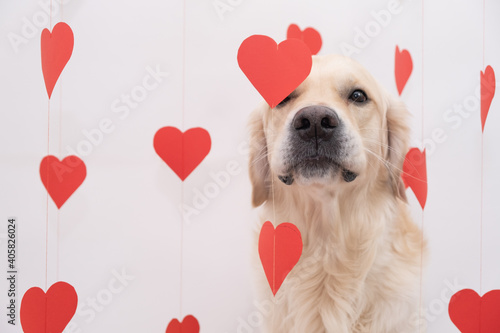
[(415, 174), (274, 70), (474, 314), (488, 86), (182, 152), (403, 68), (310, 36), (56, 51), (48, 312), (62, 178), (279, 251), (189, 325)]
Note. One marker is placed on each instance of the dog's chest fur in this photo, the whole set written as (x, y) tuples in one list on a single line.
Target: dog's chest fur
[(358, 269)]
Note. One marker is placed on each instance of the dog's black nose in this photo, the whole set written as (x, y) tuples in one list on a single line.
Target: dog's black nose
[(315, 121)]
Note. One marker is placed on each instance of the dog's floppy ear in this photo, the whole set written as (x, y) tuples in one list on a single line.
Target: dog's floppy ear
[(258, 163), (398, 136)]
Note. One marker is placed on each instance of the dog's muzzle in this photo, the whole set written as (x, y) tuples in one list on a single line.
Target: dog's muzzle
[(319, 145), (316, 122)]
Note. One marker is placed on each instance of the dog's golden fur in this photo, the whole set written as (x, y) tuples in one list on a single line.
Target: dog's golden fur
[(362, 257)]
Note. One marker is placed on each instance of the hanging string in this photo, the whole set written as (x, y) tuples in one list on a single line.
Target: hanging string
[(481, 220), (482, 171), (183, 105), (48, 182), (60, 157), (275, 223), (423, 147), (47, 202), (50, 16)]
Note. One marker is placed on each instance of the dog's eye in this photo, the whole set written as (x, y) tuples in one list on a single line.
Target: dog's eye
[(286, 100), (283, 102), (358, 96)]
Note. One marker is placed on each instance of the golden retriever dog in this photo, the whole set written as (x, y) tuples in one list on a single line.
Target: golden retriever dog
[(329, 159)]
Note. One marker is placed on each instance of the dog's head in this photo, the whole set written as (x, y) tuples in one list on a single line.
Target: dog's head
[(338, 128)]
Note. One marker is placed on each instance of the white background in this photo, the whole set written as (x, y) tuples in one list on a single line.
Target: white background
[(125, 216)]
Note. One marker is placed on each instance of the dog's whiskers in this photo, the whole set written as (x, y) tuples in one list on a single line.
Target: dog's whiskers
[(385, 146), (389, 165)]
